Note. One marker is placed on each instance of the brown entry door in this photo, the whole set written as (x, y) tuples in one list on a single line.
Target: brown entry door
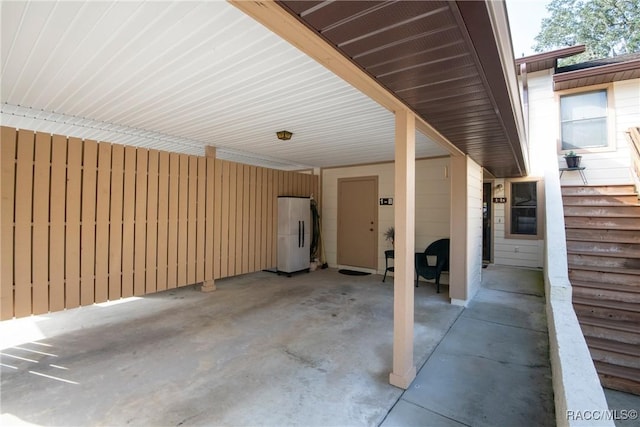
[(358, 222)]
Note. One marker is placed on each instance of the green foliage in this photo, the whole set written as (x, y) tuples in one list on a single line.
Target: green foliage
[(390, 234), (607, 28)]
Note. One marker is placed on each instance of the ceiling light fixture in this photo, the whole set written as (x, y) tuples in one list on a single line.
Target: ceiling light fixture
[(284, 135)]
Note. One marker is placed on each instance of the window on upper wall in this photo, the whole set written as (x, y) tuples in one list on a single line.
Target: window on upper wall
[(523, 210), (583, 118)]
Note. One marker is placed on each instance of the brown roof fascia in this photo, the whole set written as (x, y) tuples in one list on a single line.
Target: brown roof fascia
[(476, 20), (537, 62), (598, 71), (609, 69)]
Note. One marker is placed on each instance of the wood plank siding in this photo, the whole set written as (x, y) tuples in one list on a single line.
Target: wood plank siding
[(86, 222)]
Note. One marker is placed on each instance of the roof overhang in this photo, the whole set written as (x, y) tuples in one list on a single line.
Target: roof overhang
[(182, 76), (597, 75), (548, 60), (601, 71), (451, 63)]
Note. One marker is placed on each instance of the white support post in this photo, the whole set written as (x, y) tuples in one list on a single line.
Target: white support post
[(404, 370)]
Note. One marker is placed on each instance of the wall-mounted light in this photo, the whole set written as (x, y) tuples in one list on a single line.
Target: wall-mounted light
[(284, 135), (499, 187)]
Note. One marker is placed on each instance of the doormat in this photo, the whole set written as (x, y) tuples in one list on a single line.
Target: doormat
[(353, 273)]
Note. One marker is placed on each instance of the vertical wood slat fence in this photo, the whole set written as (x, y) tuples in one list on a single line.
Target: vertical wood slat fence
[(84, 222)]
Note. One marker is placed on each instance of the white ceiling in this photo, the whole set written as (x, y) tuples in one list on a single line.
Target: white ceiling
[(178, 76)]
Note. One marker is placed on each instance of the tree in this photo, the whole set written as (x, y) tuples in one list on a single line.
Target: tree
[(606, 27)]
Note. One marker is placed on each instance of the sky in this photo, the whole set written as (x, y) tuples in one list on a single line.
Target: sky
[(525, 18)]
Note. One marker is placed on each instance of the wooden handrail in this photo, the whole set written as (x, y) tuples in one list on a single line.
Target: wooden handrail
[(633, 135)]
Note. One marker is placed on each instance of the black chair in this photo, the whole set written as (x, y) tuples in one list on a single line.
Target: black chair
[(439, 249), (387, 256)]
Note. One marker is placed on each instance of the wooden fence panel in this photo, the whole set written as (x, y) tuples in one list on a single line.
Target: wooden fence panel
[(88, 225), (217, 219), (128, 221), (152, 223), (233, 205), (183, 210), (275, 177), (174, 178), (102, 222), (23, 200), (239, 217), (293, 177), (246, 214), (96, 221), (57, 219), (305, 189), (7, 194), (209, 255), (253, 196), (40, 267), (192, 214), (163, 218), (200, 218), (293, 189), (258, 219), (264, 216), (72, 244), (115, 222), (140, 257), (280, 183)]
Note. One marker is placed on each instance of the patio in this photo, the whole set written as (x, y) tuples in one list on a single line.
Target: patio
[(314, 349)]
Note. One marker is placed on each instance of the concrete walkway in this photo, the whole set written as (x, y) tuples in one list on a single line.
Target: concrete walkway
[(492, 367), (311, 350)]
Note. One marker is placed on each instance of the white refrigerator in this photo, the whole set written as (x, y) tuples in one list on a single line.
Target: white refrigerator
[(294, 231)]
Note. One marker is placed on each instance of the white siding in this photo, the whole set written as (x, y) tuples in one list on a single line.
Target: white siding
[(544, 125), (513, 252), (612, 166), (543, 131), (474, 228), (433, 207), (432, 203)]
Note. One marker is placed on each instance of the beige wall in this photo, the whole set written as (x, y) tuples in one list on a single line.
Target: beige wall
[(466, 230), (432, 203)]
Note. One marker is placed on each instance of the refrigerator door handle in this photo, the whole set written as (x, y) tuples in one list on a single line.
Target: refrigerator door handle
[(303, 234), (299, 230)]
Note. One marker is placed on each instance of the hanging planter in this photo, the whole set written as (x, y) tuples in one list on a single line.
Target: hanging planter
[(573, 160)]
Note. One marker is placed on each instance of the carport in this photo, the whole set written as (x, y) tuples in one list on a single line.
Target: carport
[(267, 350), (203, 77)]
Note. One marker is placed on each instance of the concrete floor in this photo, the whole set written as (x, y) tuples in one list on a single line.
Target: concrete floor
[(625, 407), (314, 349)]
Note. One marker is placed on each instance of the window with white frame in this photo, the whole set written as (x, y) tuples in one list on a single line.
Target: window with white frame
[(583, 119), (523, 210)]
